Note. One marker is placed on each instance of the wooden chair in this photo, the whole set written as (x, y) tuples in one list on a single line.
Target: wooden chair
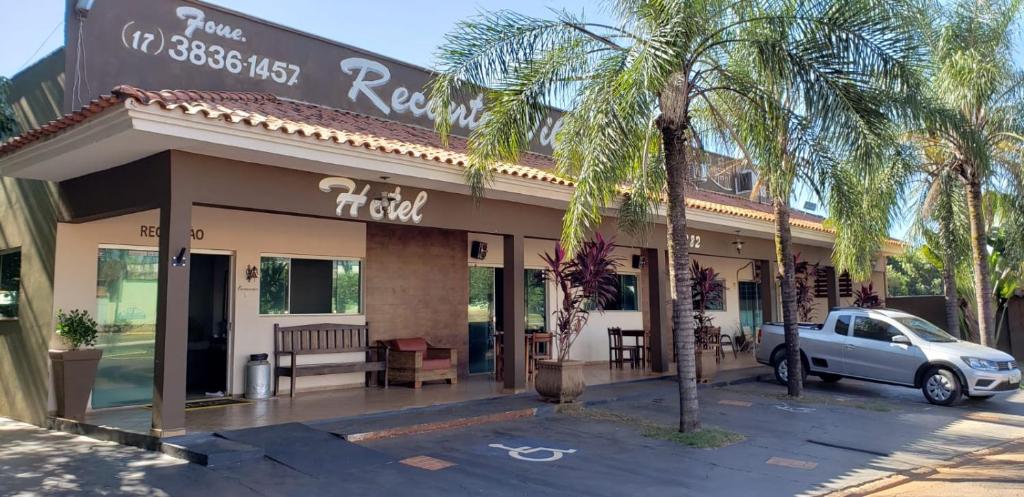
[(414, 360), (722, 340), (539, 346), (710, 338), (618, 350), (311, 339)]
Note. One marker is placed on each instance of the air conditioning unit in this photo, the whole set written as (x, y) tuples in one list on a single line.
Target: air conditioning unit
[(745, 181)]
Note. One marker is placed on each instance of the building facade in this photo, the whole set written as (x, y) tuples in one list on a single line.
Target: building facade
[(189, 222)]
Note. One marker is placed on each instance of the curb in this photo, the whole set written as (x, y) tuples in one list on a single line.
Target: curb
[(104, 433), (451, 424)]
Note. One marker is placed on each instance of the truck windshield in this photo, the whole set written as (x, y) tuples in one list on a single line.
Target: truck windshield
[(925, 330)]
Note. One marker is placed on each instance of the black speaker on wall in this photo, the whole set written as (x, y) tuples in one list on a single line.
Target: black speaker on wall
[(638, 261), (478, 250)]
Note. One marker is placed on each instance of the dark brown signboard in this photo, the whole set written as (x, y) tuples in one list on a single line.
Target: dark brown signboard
[(185, 44)]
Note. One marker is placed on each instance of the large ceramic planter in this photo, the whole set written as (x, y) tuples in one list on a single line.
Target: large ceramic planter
[(73, 374), (559, 382)]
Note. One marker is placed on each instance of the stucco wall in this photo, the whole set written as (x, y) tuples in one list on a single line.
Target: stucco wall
[(417, 284), (28, 219), (246, 236)]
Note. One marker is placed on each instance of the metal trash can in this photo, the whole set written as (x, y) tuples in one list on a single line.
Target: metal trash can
[(257, 377)]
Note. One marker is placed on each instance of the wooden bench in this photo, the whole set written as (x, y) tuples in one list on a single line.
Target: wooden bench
[(315, 339)]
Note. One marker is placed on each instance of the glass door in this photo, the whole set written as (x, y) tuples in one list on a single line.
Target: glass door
[(126, 315), (750, 306), (481, 319)]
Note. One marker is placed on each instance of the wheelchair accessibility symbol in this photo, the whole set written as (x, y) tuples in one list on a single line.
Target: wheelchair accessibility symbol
[(522, 453)]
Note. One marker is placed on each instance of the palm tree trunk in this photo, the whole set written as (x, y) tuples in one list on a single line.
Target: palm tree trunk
[(787, 267), (677, 167), (949, 278), (979, 253)]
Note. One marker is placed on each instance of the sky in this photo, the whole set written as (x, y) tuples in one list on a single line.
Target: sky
[(402, 29)]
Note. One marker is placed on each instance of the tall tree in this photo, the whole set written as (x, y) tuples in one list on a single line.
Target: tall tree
[(941, 226), (8, 126), (795, 138), (632, 89), (974, 130)]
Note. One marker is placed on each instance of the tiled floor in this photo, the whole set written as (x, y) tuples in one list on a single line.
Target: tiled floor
[(328, 404)]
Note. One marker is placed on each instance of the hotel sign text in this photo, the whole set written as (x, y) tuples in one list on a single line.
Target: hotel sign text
[(351, 199)]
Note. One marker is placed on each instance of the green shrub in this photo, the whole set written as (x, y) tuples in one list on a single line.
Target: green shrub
[(77, 328)]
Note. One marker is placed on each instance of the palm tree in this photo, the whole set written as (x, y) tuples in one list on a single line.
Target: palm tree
[(941, 224), (631, 89), (793, 139), (975, 130)]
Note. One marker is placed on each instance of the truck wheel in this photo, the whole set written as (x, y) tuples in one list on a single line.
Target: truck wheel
[(941, 387), (781, 368), (830, 378)]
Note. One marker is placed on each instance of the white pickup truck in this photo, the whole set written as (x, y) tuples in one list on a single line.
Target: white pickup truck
[(889, 346)]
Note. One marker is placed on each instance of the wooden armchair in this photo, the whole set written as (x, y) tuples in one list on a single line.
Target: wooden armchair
[(414, 360)]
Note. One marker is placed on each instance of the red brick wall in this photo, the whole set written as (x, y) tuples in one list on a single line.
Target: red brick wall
[(417, 284)]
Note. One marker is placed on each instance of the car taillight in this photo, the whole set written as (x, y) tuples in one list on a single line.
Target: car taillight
[(759, 332)]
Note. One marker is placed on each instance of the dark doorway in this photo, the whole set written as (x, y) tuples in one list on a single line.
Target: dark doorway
[(208, 324)]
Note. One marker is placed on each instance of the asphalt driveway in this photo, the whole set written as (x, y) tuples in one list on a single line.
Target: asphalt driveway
[(841, 435)]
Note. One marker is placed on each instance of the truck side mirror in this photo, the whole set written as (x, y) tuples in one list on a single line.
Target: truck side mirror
[(901, 339)]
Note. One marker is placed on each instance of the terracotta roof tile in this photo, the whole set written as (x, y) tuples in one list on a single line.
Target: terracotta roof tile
[(344, 127)]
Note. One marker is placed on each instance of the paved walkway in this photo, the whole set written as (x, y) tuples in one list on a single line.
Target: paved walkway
[(995, 472), (38, 462)]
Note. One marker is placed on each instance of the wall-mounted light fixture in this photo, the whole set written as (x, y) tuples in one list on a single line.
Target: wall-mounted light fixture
[(385, 198), (738, 243), (179, 260), (251, 273)]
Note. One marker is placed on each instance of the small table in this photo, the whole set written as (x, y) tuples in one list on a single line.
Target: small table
[(640, 337)]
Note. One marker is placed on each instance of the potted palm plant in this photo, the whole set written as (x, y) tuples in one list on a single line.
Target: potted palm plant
[(74, 370), (587, 281)]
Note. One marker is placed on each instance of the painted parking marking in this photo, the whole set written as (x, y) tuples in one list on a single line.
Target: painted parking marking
[(737, 403), (523, 453), (426, 462), (787, 407), (791, 463)]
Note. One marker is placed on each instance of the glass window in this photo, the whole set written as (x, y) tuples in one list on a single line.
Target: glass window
[(843, 325), (347, 286), (925, 330), (10, 283), (126, 288), (274, 275), (626, 298), (310, 286), (536, 300), (715, 299), (873, 329)]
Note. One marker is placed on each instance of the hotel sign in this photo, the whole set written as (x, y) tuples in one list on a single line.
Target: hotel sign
[(189, 45), (388, 205)]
